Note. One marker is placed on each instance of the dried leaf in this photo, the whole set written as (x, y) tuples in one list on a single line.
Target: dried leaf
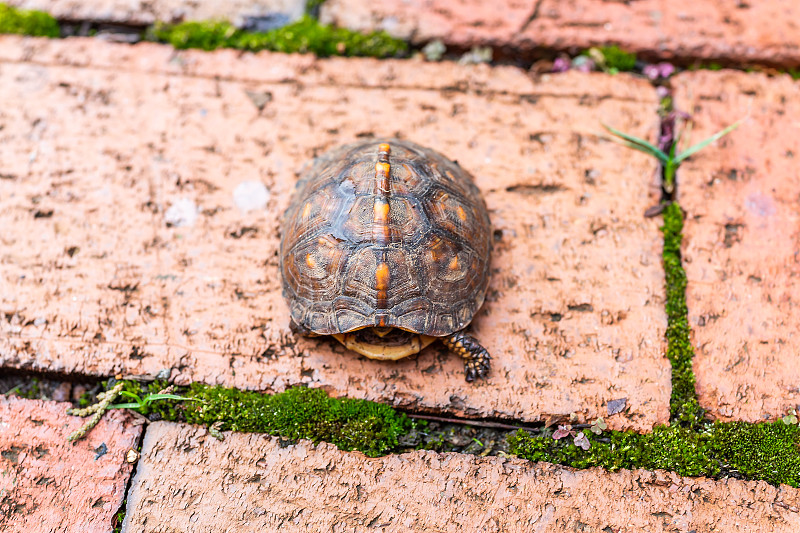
[(616, 406)]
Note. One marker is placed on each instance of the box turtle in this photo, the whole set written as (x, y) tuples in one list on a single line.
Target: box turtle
[(385, 246)]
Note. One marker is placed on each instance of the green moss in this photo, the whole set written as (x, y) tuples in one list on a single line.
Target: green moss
[(684, 407), (618, 58), (760, 451), (767, 451), (299, 413), (305, 35), (27, 22), (612, 59), (690, 446)]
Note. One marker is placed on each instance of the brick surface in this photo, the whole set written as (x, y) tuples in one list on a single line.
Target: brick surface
[(458, 22), (49, 484), (101, 141), (763, 32), (257, 483), (143, 12), (741, 243)]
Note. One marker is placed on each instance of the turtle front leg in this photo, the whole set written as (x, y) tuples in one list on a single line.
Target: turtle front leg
[(476, 358)]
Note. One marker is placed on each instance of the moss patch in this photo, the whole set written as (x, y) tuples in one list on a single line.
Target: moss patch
[(27, 22), (684, 407), (611, 59), (298, 413), (305, 35), (767, 451), (617, 58)]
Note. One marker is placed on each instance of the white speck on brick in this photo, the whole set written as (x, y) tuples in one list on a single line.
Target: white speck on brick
[(182, 213), (250, 195)]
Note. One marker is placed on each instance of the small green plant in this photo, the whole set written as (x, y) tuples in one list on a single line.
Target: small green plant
[(140, 403), (670, 159)]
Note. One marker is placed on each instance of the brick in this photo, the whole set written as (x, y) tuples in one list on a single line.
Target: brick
[(144, 12), (109, 137), (457, 22), (741, 242), (49, 484), (749, 32), (259, 483)]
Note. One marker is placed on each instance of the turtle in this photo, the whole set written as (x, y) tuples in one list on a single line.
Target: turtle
[(385, 246)]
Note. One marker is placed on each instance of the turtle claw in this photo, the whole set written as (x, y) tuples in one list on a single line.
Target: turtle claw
[(477, 367), (476, 358)]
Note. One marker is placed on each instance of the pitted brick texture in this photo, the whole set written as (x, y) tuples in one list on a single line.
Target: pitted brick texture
[(100, 142), (741, 242), (49, 484), (759, 32), (143, 12), (257, 483)]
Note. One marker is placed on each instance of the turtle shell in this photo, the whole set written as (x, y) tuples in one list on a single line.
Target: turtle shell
[(385, 233)]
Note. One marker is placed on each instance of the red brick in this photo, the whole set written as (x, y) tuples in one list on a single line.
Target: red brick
[(457, 22), (758, 32), (741, 242), (255, 482), (108, 137), (49, 484), (143, 12)]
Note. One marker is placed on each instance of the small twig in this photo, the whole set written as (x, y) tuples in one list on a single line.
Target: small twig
[(476, 423)]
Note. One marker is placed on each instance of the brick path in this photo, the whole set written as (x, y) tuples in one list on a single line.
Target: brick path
[(254, 484), (207, 305), (100, 142), (683, 30), (49, 484), (742, 241)]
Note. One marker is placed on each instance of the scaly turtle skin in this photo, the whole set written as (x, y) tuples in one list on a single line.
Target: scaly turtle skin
[(386, 246)]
